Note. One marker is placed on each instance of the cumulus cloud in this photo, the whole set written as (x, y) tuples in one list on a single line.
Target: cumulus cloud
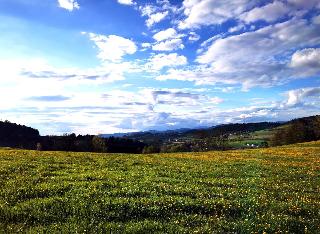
[(69, 5), (269, 56), (146, 45), (209, 12), (168, 40), (112, 48), (156, 18), (253, 58), (306, 62), (200, 13), (169, 45), (193, 37), (277, 10), (148, 108), (159, 61), (126, 2), (178, 101), (236, 28), (270, 12), (166, 34), (306, 58), (305, 5), (154, 14), (298, 96)]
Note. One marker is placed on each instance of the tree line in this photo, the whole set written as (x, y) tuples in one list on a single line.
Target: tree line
[(89, 143), (216, 138), (297, 131), (19, 136)]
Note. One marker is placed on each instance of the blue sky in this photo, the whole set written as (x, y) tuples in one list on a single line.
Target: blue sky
[(105, 66)]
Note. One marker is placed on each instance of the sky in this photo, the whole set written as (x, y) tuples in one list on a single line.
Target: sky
[(108, 66)]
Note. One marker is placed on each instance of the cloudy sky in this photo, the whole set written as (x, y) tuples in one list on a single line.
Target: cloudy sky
[(104, 66)]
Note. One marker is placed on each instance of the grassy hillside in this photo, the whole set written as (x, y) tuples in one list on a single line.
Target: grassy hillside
[(271, 190)]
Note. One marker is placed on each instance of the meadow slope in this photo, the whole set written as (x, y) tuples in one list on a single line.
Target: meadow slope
[(262, 190)]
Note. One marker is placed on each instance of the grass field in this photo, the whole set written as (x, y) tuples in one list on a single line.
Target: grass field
[(249, 191)]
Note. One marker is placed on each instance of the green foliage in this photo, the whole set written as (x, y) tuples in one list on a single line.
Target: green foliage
[(299, 130), (150, 149), (16, 135), (274, 190), (174, 148), (99, 144)]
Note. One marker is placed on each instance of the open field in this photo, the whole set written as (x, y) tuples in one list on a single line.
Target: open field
[(262, 190)]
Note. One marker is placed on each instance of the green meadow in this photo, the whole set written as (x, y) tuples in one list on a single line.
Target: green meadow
[(272, 190)]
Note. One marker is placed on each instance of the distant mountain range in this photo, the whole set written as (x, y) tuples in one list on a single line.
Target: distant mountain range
[(134, 134), (187, 133)]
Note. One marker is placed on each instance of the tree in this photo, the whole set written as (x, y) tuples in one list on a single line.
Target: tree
[(99, 144), (150, 149), (298, 130), (39, 146)]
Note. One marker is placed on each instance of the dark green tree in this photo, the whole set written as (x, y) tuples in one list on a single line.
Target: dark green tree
[(99, 144)]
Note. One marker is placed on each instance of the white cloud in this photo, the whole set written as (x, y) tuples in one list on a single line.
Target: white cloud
[(306, 58), (159, 61), (216, 100), (157, 11), (257, 58), (108, 73), (227, 89), (210, 40), (70, 5), (169, 45), (316, 19), (209, 12), (156, 18), (166, 34), (306, 62), (112, 48), (168, 40), (303, 4), (193, 37), (154, 14), (270, 12), (146, 45), (178, 101), (147, 10), (199, 75), (94, 111), (236, 28), (268, 56), (279, 9), (126, 2), (298, 96), (213, 12)]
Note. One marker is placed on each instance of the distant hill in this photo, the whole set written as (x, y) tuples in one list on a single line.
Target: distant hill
[(235, 128), (16, 135), (297, 130), (220, 137), (191, 134)]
